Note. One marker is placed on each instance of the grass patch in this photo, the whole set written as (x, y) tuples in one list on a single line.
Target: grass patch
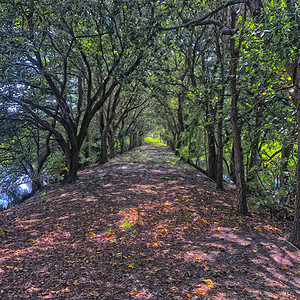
[(151, 141)]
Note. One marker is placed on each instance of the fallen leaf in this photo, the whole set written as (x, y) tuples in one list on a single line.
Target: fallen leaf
[(150, 258), (172, 290), (284, 267), (188, 295), (208, 281), (75, 282), (9, 267), (94, 293), (131, 265), (66, 290), (133, 293), (201, 292)]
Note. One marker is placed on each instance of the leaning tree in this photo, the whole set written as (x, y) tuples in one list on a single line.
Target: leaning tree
[(77, 54)]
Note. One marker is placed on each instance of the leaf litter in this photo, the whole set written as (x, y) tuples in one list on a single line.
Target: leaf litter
[(143, 226)]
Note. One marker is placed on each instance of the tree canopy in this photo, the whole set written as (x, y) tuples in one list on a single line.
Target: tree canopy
[(219, 81)]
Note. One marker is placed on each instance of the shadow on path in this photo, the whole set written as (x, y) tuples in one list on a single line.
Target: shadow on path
[(143, 226)]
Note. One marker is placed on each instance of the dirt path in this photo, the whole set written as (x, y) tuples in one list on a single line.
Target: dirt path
[(143, 226)]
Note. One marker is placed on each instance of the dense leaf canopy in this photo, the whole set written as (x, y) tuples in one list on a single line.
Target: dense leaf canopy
[(220, 84)]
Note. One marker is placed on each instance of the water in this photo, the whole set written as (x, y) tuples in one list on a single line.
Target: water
[(4, 201), (22, 190)]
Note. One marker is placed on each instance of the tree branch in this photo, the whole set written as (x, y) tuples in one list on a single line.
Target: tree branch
[(205, 19)]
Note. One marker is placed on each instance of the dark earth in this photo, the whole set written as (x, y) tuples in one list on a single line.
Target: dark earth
[(144, 226)]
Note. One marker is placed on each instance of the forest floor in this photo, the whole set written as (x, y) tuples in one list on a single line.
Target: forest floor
[(143, 226)]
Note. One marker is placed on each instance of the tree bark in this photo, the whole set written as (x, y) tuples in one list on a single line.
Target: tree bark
[(242, 207), (133, 139), (111, 142), (219, 179), (103, 148), (87, 150), (285, 155), (220, 107), (72, 166), (212, 157), (295, 234)]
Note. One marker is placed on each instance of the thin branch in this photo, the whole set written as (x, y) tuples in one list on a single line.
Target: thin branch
[(205, 19)]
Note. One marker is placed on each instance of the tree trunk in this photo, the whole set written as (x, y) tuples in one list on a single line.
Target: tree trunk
[(133, 140), (88, 151), (73, 166), (252, 174), (103, 148), (220, 108), (122, 144), (103, 158), (219, 178), (285, 155), (212, 158), (111, 144), (232, 166), (242, 207), (178, 145), (295, 234), (256, 140), (180, 122)]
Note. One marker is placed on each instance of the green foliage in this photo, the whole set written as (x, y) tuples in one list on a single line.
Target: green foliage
[(43, 197), (54, 166), (69, 61), (275, 184), (154, 141), (283, 18)]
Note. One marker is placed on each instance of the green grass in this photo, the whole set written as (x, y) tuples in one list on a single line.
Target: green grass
[(151, 141)]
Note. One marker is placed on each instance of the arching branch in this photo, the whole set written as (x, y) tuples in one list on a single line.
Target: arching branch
[(254, 6)]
